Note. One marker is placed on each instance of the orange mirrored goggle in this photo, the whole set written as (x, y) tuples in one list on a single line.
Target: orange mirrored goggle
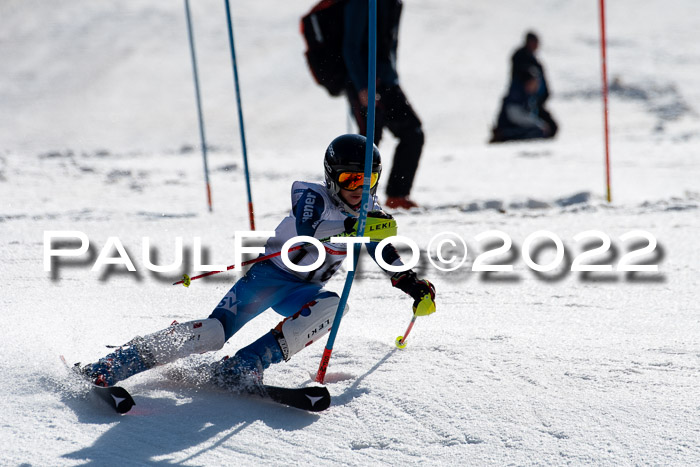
[(353, 180)]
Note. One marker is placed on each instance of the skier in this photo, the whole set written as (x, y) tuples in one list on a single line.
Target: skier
[(318, 210)]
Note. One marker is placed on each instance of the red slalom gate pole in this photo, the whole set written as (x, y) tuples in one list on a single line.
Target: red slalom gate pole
[(603, 47), (251, 215)]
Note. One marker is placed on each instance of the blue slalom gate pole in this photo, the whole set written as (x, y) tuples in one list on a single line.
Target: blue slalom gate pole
[(364, 207), (199, 103), (240, 114)]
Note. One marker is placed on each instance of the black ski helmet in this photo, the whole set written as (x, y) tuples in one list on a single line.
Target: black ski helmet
[(346, 153)]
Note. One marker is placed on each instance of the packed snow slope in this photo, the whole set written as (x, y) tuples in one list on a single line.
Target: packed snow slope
[(98, 133)]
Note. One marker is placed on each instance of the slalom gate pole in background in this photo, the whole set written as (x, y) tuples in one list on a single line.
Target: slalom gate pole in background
[(199, 103), (364, 207), (604, 67), (251, 216)]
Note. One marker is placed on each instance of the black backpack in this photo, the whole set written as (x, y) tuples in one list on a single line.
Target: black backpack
[(322, 28)]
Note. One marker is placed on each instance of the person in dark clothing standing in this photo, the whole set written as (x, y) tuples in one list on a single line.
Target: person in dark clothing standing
[(523, 115), (393, 110)]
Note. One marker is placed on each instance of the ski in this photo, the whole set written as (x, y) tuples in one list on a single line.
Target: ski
[(115, 396), (312, 398)]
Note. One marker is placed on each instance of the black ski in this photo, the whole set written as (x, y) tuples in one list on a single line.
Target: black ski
[(312, 398), (115, 396)]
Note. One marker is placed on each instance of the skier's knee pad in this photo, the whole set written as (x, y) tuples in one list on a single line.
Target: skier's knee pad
[(181, 340), (308, 324)]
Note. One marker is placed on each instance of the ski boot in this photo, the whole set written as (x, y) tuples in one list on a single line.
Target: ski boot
[(124, 362), (244, 371)]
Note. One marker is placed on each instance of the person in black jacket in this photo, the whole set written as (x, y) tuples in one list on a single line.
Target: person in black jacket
[(522, 116), (392, 107), (524, 60)]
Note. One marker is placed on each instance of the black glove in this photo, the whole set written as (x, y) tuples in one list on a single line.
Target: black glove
[(408, 282), (351, 222), (380, 214)]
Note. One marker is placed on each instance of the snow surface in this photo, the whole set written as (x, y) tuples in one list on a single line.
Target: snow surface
[(98, 134)]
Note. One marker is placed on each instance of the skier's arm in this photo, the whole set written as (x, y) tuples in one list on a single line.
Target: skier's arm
[(406, 281), (308, 213), (389, 254), (418, 289)]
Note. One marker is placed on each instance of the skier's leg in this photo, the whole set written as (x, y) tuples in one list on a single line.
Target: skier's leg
[(311, 321), (250, 296), (165, 346), (263, 287)]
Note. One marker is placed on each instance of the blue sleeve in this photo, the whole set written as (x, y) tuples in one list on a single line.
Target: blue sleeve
[(354, 30), (308, 212)]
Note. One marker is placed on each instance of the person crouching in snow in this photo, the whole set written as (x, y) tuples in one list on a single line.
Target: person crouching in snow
[(522, 116), (318, 210)]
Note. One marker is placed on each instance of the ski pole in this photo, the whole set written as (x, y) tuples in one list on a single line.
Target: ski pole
[(186, 280), (401, 340), (425, 307)]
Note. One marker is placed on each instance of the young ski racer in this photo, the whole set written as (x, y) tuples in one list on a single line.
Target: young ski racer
[(318, 210)]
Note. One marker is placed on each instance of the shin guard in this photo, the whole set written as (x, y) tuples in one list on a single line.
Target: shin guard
[(307, 325), (180, 340)]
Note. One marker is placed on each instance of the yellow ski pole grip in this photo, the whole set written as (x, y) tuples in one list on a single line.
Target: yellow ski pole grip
[(425, 307)]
